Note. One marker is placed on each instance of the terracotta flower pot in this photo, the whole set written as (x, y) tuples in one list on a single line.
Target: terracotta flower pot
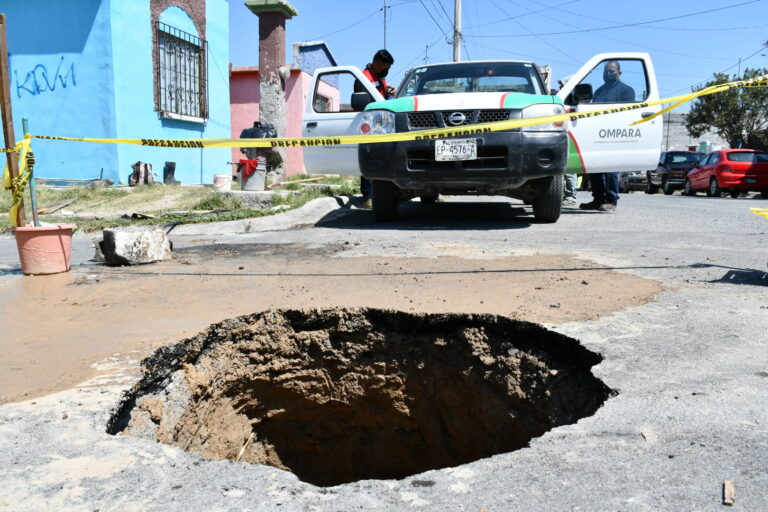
[(44, 249)]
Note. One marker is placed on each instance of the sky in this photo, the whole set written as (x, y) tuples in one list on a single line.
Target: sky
[(688, 40)]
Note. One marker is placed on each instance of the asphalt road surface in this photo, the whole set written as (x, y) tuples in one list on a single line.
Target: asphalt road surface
[(690, 368)]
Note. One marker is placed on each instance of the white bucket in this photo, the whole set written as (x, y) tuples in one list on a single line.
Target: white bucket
[(255, 181), (222, 182)]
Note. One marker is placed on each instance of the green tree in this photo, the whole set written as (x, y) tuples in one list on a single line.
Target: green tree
[(740, 115)]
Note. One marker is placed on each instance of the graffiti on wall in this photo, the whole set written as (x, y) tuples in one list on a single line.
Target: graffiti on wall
[(40, 79)]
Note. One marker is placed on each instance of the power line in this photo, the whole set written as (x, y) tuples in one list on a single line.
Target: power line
[(557, 49), (445, 13), (697, 29), (521, 15), (433, 19), (412, 61), (741, 61), (374, 13), (625, 25), (631, 43)]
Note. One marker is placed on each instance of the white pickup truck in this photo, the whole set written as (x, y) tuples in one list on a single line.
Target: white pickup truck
[(525, 163)]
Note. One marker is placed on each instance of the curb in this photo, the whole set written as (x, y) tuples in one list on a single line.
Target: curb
[(310, 213)]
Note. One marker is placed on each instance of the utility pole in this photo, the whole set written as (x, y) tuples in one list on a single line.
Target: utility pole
[(7, 115), (456, 30), (385, 24)]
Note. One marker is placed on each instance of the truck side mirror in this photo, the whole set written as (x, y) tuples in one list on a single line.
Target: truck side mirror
[(360, 100), (582, 92)]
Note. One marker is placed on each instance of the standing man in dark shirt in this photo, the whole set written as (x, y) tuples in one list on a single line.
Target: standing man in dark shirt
[(376, 72), (613, 90), (605, 186)]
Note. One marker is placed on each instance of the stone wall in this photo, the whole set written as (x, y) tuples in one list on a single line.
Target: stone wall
[(676, 137)]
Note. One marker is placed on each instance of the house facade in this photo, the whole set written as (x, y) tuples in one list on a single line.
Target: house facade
[(138, 69), (245, 96)]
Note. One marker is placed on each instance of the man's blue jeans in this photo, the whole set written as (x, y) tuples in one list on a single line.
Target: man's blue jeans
[(605, 187)]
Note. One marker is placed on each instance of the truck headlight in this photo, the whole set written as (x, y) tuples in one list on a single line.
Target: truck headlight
[(376, 122), (541, 110)]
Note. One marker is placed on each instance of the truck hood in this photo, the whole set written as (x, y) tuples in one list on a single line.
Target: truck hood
[(462, 101)]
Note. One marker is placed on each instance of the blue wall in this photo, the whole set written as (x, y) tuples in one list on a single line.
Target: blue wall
[(61, 79), (134, 92), (83, 68)]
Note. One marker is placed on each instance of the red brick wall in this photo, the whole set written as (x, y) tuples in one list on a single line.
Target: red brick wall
[(196, 10)]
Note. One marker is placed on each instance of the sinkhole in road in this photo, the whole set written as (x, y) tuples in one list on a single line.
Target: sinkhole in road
[(339, 395)]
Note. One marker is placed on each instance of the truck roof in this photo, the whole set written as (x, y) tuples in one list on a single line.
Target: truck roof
[(491, 61)]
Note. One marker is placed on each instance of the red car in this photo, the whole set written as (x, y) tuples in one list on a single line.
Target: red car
[(729, 170)]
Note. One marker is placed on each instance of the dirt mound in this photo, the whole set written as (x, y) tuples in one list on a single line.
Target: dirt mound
[(339, 395)]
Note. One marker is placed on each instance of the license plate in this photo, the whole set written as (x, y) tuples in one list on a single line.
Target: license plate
[(750, 180), (455, 150)]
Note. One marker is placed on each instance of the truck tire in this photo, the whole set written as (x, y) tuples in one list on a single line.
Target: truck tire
[(384, 200), (650, 188), (546, 206), (429, 199), (666, 187)]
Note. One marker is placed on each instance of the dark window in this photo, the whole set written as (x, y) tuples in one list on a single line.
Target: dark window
[(322, 104), (683, 158), (748, 157), (180, 83)]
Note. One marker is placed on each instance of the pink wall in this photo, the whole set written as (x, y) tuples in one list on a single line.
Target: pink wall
[(244, 108)]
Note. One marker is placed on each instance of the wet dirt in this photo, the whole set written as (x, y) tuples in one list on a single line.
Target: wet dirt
[(339, 395), (56, 327)]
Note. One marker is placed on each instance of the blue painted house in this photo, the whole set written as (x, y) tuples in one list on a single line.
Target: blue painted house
[(134, 69)]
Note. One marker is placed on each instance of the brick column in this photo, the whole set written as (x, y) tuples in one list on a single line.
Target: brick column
[(272, 15)]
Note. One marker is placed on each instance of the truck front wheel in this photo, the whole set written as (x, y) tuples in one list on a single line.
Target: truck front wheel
[(384, 200), (546, 206)]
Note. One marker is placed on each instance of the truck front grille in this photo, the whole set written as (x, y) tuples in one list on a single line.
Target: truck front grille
[(440, 119)]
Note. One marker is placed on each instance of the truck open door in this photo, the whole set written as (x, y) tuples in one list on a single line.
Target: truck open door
[(609, 143), (329, 112)]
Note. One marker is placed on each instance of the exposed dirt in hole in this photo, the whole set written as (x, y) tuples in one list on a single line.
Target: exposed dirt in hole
[(339, 395)]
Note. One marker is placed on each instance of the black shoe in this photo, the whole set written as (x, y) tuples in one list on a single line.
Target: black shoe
[(607, 207), (592, 205)]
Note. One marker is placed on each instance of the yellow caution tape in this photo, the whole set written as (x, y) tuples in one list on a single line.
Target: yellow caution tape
[(438, 133), (760, 81), (19, 183), (760, 211)]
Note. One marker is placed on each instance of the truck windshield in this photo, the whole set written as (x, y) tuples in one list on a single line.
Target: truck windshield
[(472, 77)]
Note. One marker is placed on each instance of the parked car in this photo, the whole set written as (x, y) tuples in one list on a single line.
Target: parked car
[(670, 174), (632, 180), (729, 170)]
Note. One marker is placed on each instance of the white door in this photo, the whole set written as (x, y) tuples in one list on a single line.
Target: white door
[(609, 143), (328, 112)]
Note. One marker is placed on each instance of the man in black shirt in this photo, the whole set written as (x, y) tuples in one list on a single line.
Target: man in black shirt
[(605, 186), (613, 90)]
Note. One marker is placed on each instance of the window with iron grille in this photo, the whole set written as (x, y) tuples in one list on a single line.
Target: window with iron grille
[(180, 85)]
